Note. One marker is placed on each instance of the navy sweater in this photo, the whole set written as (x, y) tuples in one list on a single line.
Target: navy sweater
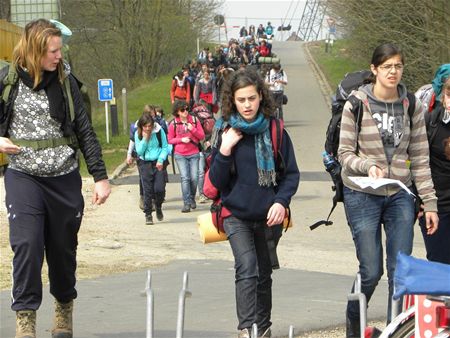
[(236, 177)]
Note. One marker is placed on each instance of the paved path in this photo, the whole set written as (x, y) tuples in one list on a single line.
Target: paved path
[(317, 266)]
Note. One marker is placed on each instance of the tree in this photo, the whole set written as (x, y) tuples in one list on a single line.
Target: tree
[(420, 28), (132, 40)]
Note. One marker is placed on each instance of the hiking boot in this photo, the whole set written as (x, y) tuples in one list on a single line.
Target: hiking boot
[(159, 214), (193, 204), (62, 322), (148, 219), (141, 202), (26, 324), (203, 199), (267, 333), (186, 208), (244, 333)]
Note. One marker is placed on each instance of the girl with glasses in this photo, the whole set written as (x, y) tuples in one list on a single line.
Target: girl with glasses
[(185, 133), (388, 145)]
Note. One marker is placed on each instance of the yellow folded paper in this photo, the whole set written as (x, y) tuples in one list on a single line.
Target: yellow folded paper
[(208, 232)]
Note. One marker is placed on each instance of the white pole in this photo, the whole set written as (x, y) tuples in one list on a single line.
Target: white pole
[(198, 46), (107, 121), (124, 110)]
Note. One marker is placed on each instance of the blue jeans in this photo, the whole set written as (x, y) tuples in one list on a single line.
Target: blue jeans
[(438, 244), (188, 168), (253, 270), (365, 215)]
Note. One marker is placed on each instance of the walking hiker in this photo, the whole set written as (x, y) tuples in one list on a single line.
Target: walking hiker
[(242, 168), (438, 127), (43, 123), (276, 79), (185, 133), (152, 150), (387, 145), (180, 89)]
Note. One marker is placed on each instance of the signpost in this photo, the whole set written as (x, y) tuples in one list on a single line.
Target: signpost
[(105, 93), (219, 20)]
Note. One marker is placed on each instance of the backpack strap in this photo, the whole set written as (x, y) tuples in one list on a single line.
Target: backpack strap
[(68, 93), (47, 143), (276, 135), (431, 122), (158, 137), (356, 110), (10, 80)]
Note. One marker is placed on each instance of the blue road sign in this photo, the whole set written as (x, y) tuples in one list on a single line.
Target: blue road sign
[(105, 89)]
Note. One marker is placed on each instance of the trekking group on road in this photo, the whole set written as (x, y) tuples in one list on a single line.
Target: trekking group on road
[(225, 106)]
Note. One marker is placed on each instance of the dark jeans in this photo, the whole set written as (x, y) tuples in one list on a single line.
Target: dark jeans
[(153, 184), (438, 244), (365, 215), (44, 215), (278, 98), (253, 270)]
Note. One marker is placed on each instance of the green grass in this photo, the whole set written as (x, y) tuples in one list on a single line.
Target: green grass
[(337, 62), (112, 159)]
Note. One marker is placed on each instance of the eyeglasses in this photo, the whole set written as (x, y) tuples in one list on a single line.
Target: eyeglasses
[(387, 68), (182, 109)]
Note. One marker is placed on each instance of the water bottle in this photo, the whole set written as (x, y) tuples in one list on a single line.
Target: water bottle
[(328, 161), (331, 165)]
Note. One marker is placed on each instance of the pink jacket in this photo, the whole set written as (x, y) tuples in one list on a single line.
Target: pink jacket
[(178, 130)]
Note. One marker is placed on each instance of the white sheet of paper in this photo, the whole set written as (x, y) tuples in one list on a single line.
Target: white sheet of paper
[(365, 182)]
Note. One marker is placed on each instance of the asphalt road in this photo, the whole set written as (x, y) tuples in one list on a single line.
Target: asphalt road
[(317, 267)]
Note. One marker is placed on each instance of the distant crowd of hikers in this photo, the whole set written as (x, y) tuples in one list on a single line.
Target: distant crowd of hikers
[(195, 95)]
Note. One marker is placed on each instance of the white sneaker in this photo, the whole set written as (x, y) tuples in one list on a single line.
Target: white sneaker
[(244, 333), (203, 199)]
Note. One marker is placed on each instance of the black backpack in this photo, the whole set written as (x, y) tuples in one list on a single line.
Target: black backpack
[(351, 81)]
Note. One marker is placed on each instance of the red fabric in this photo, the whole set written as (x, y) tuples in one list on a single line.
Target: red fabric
[(207, 97), (218, 214), (209, 190), (432, 102), (264, 51)]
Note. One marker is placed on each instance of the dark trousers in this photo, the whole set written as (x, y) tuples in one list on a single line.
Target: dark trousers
[(278, 98), (44, 215), (438, 244), (253, 270), (153, 184)]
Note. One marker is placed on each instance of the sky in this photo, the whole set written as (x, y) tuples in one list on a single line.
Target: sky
[(253, 12)]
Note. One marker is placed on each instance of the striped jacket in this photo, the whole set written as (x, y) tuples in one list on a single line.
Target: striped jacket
[(410, 160)]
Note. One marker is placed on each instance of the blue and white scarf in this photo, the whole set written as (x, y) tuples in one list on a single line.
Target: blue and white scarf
[(260, 128)]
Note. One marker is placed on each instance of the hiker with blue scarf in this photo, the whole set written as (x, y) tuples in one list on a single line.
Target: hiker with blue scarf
[(244, 171)]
